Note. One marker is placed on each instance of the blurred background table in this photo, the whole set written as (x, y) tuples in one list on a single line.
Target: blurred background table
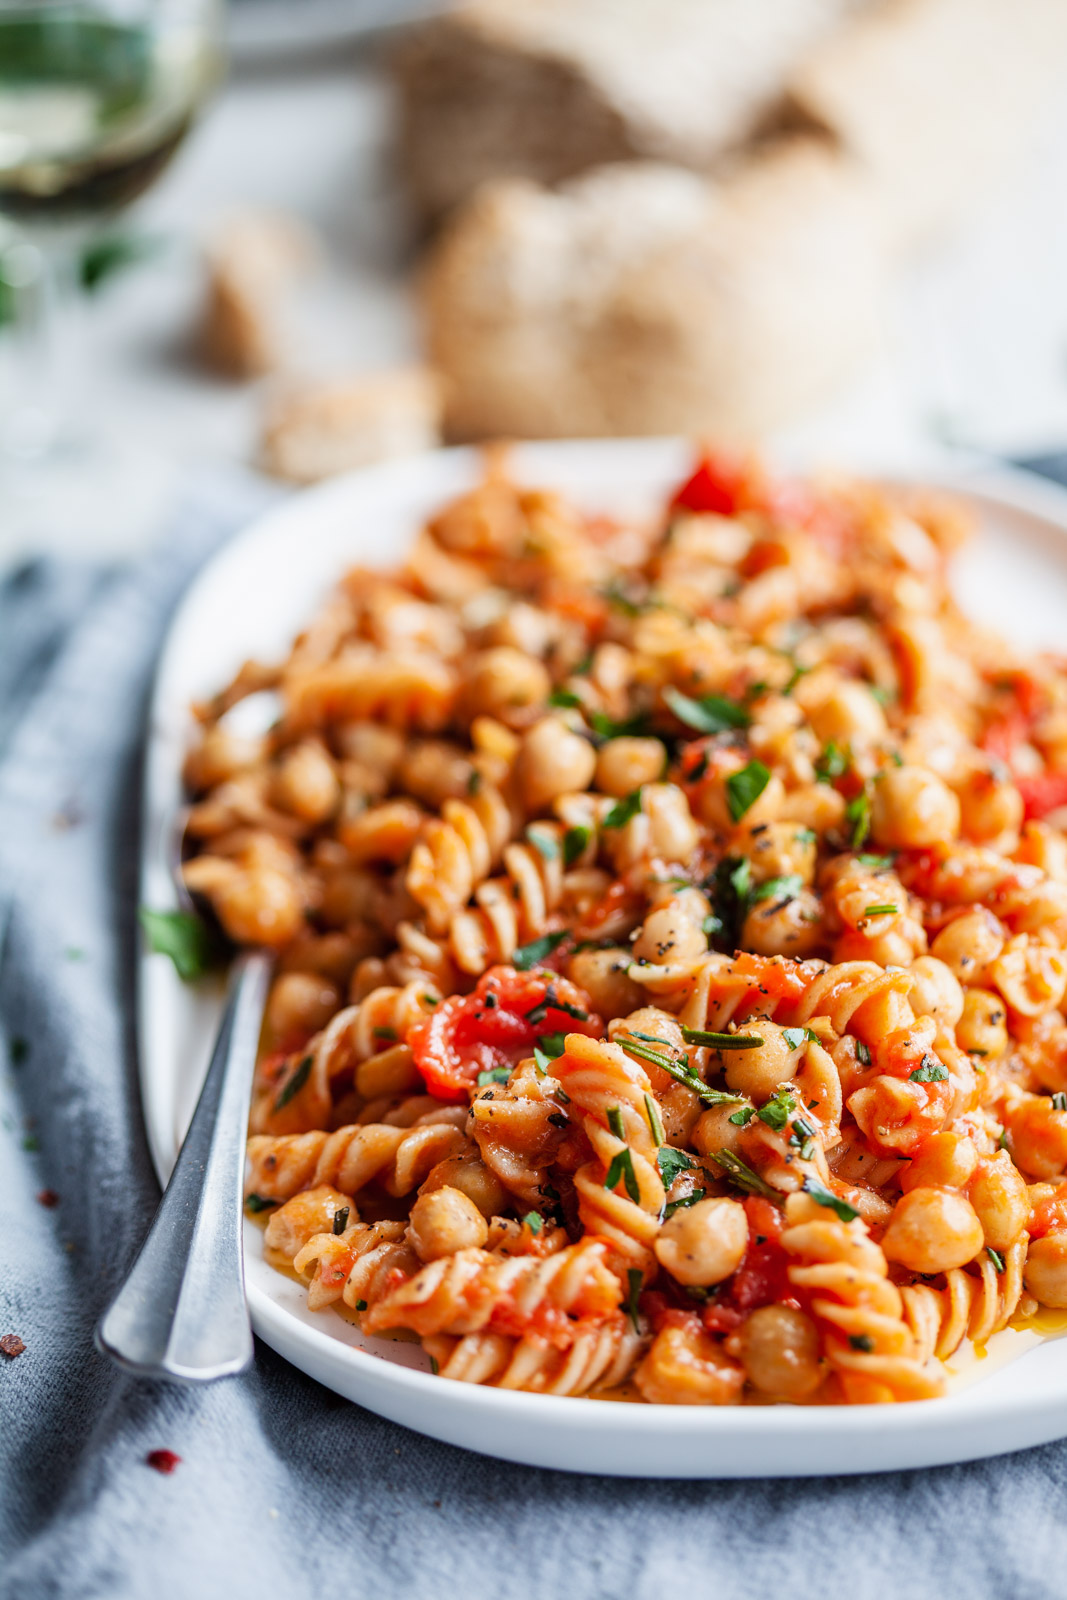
[(975, 351)]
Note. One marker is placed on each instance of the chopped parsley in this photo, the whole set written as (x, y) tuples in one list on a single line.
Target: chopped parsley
[(861, 1341), (256, 1203), (1059, 1101), (730, 887), (777, 1111), (474, 781), (548, 1047), (874, 863), (995, 1257), (742, 1118), (534, 1221), (687, 1200), (361, 1305), (608, 728), (493, 1075), (931, 1071), (671, 1162), (538, 950), (563, 697), (863, 1053), (623, 811), (677, 1068), (712, 713), (295, 1084), (832, 763), (615, 1122), (744, 788), (785, 887), (574, 842), (184, 937), (384, 1033), (794, 1037), (887, 910), (826, 1197)]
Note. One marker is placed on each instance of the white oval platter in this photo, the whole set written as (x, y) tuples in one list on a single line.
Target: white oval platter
[(250, 600)]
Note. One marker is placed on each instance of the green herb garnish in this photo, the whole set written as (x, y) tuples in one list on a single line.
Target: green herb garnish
[(874, 863), (687, 1200), (863, 1053), (547, 1049), (474, 782), (995, 1257), (295, 1084), (832, 763), (861, 1341), (722, 1041), (340, 1219), (858, 814), (574, 842), (615, 1122), (786, 887), (744, 788), (622, 1169), (1059, 1101), (563, 697), (712, 713), (825, 1197), (493, 1075), (741, 1173), (534, 1221), (671, 1162), (888, 910), (184, 937), (538, 950), (794, 1037), (654, 1123), (634, 1276), (777, 1111), (931, 1071), (742, 1118), (256, 1203), (623, 811)]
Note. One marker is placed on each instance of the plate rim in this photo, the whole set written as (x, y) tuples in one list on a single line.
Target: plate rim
[(373, 1380)]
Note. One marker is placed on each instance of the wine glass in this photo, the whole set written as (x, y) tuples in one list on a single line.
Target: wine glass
[(95, 98)]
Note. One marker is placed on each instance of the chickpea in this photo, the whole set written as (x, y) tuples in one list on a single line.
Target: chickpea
[(814, 806), (469, 1174), (603, 974), (220, 755), (305, 783), (1045, 1273), (668, 936), (371, 746), (672, 833), (552, 761), (946, 1161), (776, 849), (1032, 977), (703, 1244), (623, 765), (688, 1368), (848, 713), (982, 1024), (432, 770), (912, 806), (1044, 847), (989, 806), (259, 905), (714, 1131), (932, 1230), (506, 684), (937, 991), (1001, 1200), (444, 1221), (301, 1218), (779, 1349), (759, 1072), (785, 927), (1039, 1137), (300, 1004), (969, 943)]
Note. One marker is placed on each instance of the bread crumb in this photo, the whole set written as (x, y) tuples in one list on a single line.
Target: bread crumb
[(253, 264), (11, 1346)]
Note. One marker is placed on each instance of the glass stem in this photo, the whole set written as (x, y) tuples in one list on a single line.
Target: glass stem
[(39, 401)]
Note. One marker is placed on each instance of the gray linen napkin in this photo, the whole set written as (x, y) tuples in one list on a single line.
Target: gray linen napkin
[(283, 1488)]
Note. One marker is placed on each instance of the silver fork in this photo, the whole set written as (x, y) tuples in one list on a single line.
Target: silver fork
[(181, 1312)]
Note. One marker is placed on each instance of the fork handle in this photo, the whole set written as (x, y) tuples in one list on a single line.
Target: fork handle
[(181, 1313)]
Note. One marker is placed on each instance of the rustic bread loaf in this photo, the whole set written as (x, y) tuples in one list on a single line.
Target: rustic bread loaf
[(934, 98), (545, 89), (645, 299)]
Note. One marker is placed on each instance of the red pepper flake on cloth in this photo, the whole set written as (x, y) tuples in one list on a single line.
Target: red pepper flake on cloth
[(11, 1346), (163, 1461), (48, 1198)]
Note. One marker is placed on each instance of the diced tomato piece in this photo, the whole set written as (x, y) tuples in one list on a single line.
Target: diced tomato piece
[(1043, 793), (718, 485), (495, 1027), (1002, 737)]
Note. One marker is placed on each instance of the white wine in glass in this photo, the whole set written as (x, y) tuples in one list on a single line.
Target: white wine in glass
[(94, 101)]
